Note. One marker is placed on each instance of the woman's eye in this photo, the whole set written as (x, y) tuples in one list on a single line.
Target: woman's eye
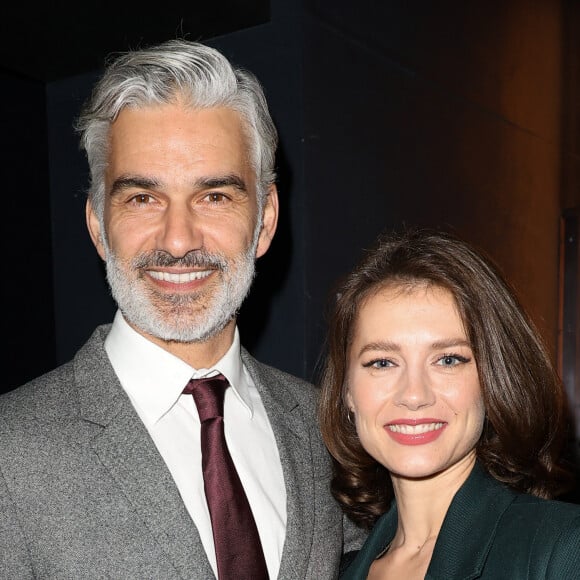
[(451, 360), (379, 363)]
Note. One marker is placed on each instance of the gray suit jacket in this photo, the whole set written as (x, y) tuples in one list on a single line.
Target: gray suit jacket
[(84, 492)]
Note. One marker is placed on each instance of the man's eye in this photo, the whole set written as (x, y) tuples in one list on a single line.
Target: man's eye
[(140, 199), (216, 197)]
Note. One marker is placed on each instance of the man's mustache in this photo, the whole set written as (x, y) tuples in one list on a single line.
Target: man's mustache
[(193, 259)]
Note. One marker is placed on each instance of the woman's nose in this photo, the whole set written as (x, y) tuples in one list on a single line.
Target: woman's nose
[(414, 390)]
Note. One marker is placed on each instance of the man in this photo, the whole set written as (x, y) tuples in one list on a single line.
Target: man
[(103, 459)]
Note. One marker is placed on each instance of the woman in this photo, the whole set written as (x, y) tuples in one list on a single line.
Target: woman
[(445, 419)]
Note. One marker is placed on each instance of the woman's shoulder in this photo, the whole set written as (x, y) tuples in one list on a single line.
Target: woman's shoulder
[(494, 530), (529, 518), (528, 507), (539, 535), (355, 565)]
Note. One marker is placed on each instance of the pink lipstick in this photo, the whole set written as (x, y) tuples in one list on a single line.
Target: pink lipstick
[(415, 431)]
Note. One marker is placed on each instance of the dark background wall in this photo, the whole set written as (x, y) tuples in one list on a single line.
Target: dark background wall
[(458, 114)]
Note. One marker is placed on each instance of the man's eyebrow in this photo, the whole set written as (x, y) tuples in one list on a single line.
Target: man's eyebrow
[(132, 181), (211, 182), (230, 180)]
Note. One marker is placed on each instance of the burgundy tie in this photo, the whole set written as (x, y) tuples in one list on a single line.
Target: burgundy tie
[(237, 543)]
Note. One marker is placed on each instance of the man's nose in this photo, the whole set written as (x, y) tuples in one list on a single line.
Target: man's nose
[(181, 231)]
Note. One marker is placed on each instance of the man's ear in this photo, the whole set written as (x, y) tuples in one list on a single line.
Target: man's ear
[(269, 221), (94, 228)]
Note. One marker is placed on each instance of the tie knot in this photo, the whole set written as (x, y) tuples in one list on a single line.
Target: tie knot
[(208, 394)]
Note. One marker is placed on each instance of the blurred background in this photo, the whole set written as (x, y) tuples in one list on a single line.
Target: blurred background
[(453, 114)]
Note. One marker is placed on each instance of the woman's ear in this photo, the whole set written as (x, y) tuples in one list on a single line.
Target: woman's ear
[(349, 402)]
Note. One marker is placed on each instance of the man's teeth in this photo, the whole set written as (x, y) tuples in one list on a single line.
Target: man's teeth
[(179, 278), (415, 429)]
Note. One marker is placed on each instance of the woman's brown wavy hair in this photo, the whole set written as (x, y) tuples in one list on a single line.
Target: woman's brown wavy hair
[(526, 415)]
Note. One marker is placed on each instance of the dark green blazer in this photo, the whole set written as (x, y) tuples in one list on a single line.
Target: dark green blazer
[(491, 532)]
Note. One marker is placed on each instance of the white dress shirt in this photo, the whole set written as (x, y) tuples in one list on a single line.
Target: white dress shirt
[(154, 380)]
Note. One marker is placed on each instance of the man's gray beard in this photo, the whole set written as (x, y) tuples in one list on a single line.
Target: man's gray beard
[(175, 322)]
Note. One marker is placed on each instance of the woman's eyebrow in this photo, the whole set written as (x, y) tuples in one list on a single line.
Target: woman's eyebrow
[(380, 345), (450, 342)]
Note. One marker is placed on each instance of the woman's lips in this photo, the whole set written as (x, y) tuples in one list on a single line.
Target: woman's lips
[(415, 431)]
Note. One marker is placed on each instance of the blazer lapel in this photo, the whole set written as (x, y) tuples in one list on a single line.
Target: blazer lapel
[(125, 448), (459, 553)]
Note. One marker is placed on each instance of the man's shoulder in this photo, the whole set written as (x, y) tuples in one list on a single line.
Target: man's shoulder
[(36, 394), (280, 384), (50, 394), (264, 370)]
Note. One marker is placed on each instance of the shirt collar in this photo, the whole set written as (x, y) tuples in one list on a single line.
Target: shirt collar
[(154, 378)]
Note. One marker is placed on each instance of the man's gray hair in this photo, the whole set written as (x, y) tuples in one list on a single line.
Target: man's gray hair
[(191, 71)]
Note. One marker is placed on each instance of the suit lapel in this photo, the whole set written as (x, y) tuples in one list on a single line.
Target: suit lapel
[(294, 446), (296, 459), (125, 448)]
